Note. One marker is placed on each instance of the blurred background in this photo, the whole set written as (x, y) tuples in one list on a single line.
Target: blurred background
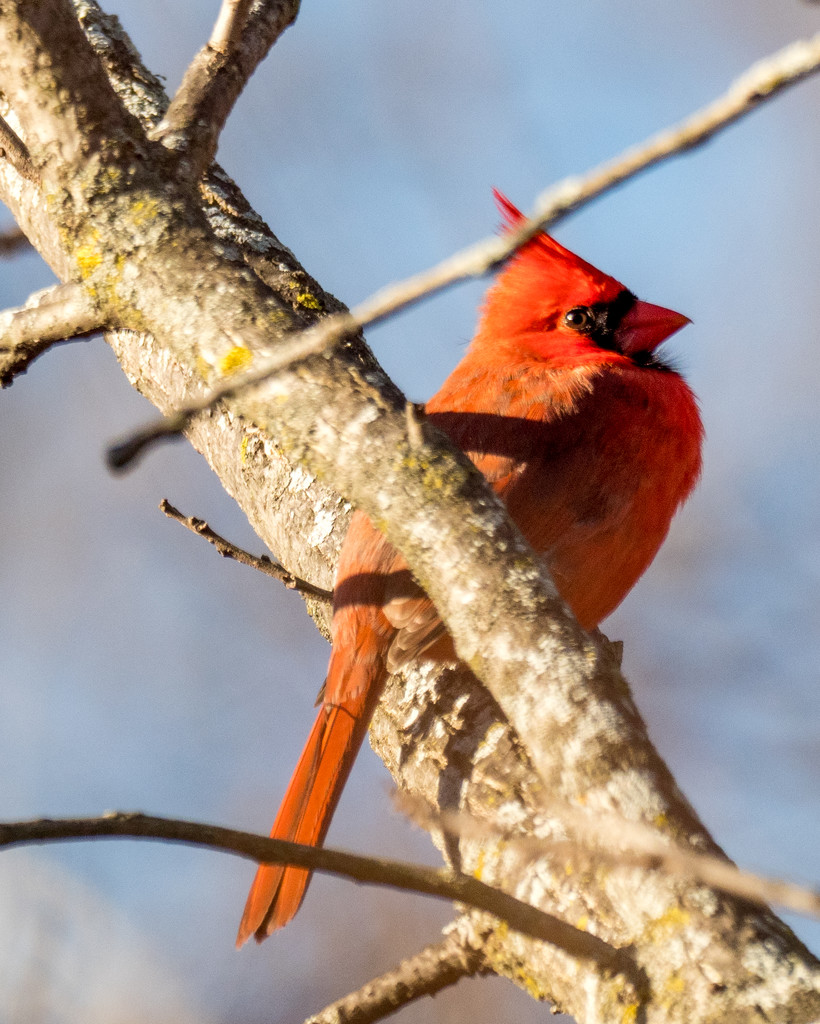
[(140, 671)]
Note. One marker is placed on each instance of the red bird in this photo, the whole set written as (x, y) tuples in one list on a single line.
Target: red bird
[(593, 442)]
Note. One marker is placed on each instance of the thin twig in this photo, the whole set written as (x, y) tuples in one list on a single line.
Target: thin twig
[(441, 883), (216, 77), (432, 969), (761, 82), (263, 563), (612, 838), (61, 313), (13, 149), (12, 242)]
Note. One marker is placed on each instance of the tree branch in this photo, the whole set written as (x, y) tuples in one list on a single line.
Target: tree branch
[(61, 313), (441, 883), (216, 77), (228, 550), (761, 82), (432, 969)]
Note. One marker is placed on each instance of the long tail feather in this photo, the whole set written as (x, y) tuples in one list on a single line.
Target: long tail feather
[(304, 817)]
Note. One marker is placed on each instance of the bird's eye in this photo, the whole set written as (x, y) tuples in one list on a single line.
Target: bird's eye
[(579, 319)]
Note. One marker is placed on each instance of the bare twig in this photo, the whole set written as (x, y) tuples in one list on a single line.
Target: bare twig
[(761, 82), (13, 149), (263, 563), (12, 242), (441, 883), (616, 840), (216, 77), (432, 969), (61, 313)]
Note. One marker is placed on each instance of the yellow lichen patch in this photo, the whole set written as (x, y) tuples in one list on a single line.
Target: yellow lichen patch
[(243, 449), (582, 922), (89, 258), (144, 210), (237, 359), (106, 179), (498, 957), (106, 285), (434, 479), (531, 987), (669, 994), (278, 318), (674, 919), (630, 1013), (308, 300), (661, 821)]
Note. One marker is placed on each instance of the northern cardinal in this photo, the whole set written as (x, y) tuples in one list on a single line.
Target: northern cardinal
[(591, 440)]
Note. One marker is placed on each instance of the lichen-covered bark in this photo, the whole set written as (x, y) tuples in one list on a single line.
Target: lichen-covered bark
[(698, 955), (200, 289)]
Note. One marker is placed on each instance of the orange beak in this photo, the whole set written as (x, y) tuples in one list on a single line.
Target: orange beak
[(645, 326)]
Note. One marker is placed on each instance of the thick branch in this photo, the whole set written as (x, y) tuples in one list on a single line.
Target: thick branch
[(61, 313), (216, 77), (428, 972)]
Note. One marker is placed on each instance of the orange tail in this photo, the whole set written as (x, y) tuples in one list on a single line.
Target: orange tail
[(304, 817)]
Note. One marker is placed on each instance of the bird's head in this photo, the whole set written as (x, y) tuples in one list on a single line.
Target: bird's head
[(552, 304)]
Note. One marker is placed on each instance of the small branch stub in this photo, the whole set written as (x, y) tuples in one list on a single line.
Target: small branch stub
[(54, 315), (414, 413)]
